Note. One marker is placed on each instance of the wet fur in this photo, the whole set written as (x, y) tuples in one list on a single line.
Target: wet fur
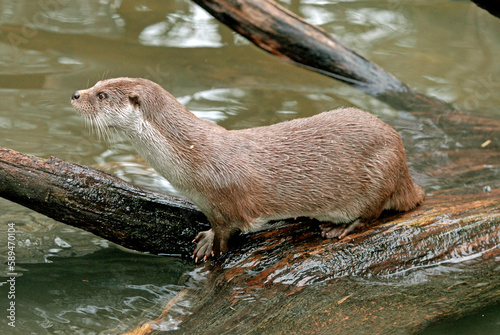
[(341, 166)]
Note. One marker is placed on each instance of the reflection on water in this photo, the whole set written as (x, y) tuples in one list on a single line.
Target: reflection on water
[(195, 29), (75, 282), (68, 17)]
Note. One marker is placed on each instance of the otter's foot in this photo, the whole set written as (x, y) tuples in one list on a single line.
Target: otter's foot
[(340, 230), (204, 248), (209, 244)]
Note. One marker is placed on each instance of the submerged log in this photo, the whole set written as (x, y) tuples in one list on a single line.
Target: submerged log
[(280, 32)]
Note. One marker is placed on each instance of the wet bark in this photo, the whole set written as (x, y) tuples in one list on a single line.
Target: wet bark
[(396, 277), (490, 6), (280, 32), (87, 198)]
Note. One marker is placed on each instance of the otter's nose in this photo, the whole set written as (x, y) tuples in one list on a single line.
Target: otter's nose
[(75, 96)]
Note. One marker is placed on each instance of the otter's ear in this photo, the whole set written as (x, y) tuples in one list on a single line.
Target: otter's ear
[(134, 99)]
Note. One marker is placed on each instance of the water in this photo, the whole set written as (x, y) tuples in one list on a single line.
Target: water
[(93, 293), (71, 281), (485, 321)]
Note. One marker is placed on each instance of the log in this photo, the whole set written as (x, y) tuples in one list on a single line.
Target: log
[(490, 6), (280, 32), (87, 198), (401, 273), (396, 277)]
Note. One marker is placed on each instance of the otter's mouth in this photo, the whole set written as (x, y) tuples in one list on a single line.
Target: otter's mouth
[(96, 124)]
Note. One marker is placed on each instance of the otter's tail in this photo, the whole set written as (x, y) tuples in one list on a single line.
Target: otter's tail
[(406, 196)]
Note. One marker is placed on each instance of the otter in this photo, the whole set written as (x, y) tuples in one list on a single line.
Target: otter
[(343, 166)]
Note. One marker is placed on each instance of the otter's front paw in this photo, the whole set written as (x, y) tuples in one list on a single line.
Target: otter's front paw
[(204, 248), (209, 244)]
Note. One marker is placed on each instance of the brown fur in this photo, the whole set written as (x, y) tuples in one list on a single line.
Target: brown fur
[(343, 166)]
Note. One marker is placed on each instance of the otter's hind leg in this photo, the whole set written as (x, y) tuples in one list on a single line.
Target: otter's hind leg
[(340, 231), (332, 230)]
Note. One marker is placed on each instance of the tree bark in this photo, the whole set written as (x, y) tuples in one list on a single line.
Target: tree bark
[(90, 199), (284, 34), (396, 277), (490, 6)]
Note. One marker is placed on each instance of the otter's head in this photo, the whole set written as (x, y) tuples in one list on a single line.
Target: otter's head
[(119, 103)]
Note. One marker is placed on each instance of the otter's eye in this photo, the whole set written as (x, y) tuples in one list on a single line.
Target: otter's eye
[(101, 96)]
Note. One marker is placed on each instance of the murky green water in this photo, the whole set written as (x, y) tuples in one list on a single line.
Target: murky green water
[(72, 282)]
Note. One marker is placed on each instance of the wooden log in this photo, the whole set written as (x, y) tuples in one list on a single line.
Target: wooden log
[(284, 34), (490, 6), (401, 273), (399, 276), (87, 198)]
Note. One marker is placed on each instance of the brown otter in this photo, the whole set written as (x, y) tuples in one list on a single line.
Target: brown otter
[(344, 166)]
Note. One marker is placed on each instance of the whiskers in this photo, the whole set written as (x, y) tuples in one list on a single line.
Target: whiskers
[(99, 129)]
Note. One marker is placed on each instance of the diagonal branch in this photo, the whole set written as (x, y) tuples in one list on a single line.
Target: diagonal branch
[(90, 199), (284, 34)]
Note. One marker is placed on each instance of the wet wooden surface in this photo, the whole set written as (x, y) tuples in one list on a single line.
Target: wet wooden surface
[(87, 198)]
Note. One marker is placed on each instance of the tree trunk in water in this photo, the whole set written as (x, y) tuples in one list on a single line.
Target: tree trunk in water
[(95, 201), (284, 34), (397, 274)]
